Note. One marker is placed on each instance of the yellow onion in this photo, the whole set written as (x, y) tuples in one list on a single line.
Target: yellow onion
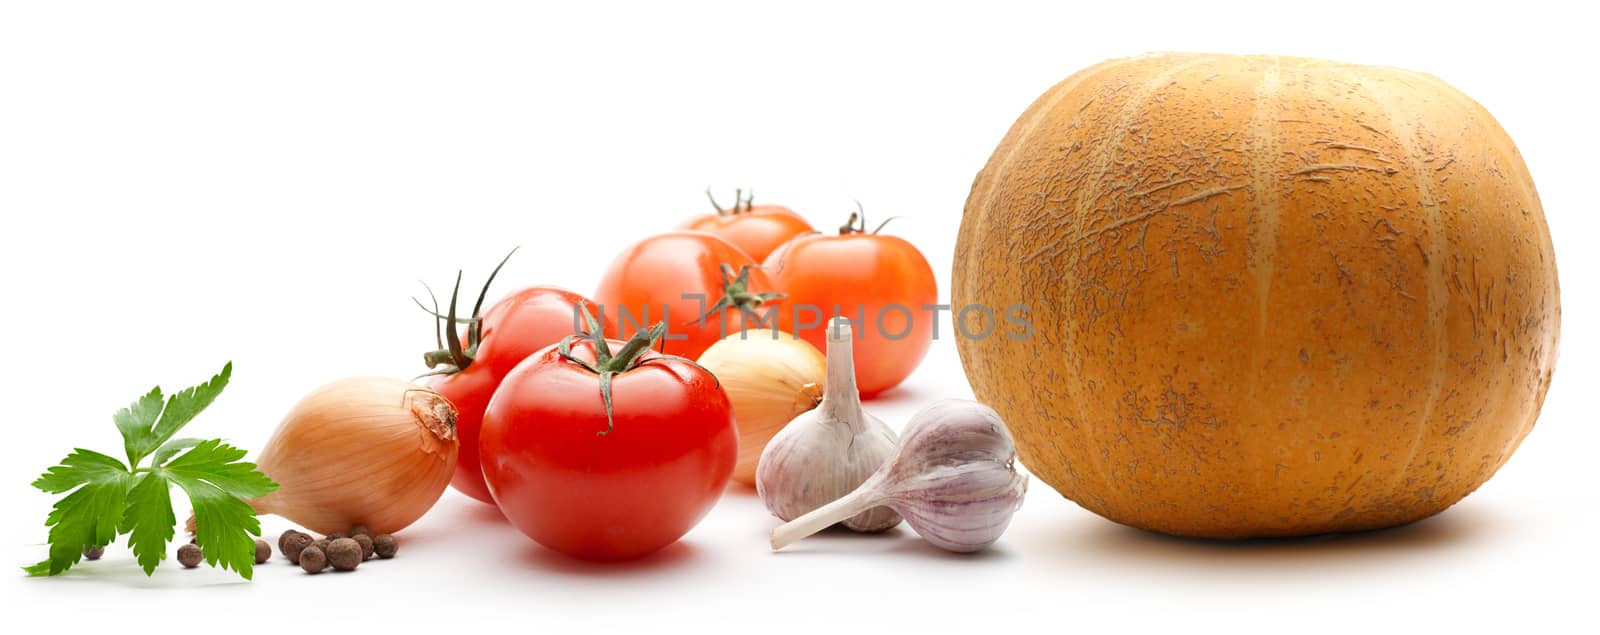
[(371, 451), (770, 377)]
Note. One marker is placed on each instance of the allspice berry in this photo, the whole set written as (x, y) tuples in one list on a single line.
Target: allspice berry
[(385, 546), (93, 553), (283, 539), (367, 546), (263, 551), (294, 544), (334, 536), (313, 560), (190, 555), (359, 530), (344, 554)]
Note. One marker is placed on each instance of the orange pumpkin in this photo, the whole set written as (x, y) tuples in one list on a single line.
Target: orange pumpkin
[(1270, 296)]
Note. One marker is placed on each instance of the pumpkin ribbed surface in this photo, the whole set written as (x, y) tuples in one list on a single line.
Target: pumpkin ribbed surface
[(1270, 296)]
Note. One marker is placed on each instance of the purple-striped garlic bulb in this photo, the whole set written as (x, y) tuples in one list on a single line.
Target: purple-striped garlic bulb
[(953, 478)]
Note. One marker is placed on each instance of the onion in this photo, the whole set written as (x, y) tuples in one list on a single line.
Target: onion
[(371, 451), (770, 377)]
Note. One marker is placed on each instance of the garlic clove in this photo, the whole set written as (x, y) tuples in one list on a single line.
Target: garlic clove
[(825, 453), (953, 478), (818, 472)]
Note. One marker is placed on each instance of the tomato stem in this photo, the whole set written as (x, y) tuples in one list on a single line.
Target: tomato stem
[(450, 351), (452, 339), (475, 331), (849, 226), (741, 202), (628, 357), (714, 204), (607, 365), (737, 295), (438, 336), (857, 224), (435, 358)]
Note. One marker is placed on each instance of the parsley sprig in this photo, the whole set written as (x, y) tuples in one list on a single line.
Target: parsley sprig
[(109, 498)]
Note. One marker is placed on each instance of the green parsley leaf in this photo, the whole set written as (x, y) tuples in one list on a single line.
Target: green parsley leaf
[(215, 481), (182, 407), (143, 432), (107, 497), (218, 463), (90, 515), (80, 467), (148, 520), (172, 447), (135, 422)]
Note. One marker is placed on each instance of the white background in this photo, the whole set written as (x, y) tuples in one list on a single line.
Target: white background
[(187, 183)]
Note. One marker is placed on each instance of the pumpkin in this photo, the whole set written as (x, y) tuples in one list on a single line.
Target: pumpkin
[(1269, 296)]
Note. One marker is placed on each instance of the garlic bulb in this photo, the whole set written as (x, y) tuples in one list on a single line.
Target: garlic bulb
[(953, 479), (827, 452), (770, 377), (368, 451)]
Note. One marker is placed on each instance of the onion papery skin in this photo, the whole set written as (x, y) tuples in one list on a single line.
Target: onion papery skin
[(372, 451)]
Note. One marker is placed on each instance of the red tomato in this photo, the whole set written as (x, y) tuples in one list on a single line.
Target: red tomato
[(703, 287), (756, 229), (607, 488), (881, 283), (517, 326)]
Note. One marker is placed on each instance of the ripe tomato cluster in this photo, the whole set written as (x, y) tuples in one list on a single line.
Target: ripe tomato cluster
[(588, 423), (709, 284)]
